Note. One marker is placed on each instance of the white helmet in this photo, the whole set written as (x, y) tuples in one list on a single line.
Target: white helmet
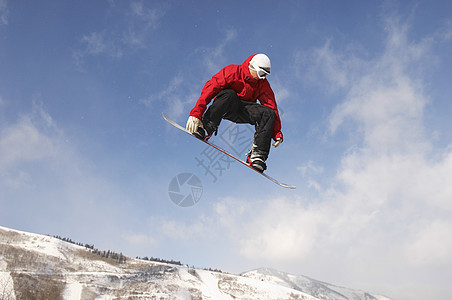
[(261, 64)]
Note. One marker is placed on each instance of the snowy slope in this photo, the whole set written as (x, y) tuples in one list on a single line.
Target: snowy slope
[(310, 286), (36, 266)]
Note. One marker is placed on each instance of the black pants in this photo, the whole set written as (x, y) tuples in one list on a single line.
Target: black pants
[(227, 105)]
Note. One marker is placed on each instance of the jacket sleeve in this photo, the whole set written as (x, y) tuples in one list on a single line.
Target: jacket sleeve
[(212, 87), (267, 98)]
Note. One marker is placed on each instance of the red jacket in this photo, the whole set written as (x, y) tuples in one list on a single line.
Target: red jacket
[(238, 78)]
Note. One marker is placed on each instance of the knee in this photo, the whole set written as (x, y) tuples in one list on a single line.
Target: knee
[(226, 94), (229, 98), (269, 114)]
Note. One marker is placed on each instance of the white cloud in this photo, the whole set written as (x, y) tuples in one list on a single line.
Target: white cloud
[(23, 142), (97, 43), (178, 98), (445, 33), (141, 21), (432, 244), (330, 70), (174, 96), (180, 230), (310, 167), (261, 233), (390, 203), (46, 184), (32, 138), (137, 23), (139, 239), (4, 12), (215, 57), (387, 103)]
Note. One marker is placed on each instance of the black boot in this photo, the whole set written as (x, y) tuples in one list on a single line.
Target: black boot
[(201, 134), (206, 131), (256, 159)]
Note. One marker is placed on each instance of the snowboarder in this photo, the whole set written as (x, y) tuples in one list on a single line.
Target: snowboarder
[(235, 90)]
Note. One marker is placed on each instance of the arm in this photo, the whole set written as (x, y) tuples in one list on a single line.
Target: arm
[(267, 98), (218, 82)]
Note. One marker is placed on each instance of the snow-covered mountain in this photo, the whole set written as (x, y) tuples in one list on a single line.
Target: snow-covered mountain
[(318, 289), (36, 266)]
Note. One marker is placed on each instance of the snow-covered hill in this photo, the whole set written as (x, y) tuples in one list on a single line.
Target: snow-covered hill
[(310, 286), (35, 266)]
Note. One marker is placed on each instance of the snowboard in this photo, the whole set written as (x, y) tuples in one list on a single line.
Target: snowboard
[(227, 153)]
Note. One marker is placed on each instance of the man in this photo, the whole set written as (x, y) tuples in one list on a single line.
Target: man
[(236, 89)]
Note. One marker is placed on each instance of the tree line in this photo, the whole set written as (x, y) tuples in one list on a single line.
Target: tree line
[(172, 262), (119, 257)]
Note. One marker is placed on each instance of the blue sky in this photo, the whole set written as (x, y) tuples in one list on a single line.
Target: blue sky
[(364, 92)]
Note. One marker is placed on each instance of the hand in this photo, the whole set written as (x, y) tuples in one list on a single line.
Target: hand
[(278, 142), (193, 123)]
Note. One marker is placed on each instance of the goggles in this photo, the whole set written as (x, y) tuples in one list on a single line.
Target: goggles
[(261, 72)]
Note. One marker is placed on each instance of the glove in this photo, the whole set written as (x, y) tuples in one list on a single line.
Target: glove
[(192, 124), (278, 142)]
